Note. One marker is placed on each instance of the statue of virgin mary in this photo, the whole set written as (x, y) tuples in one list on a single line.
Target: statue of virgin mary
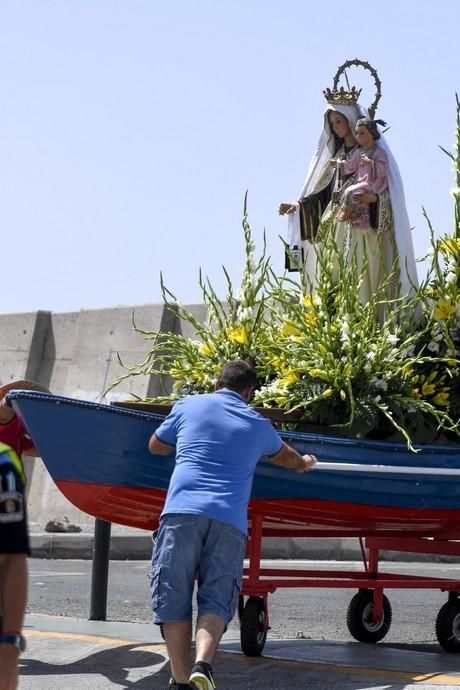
[(386, 245)]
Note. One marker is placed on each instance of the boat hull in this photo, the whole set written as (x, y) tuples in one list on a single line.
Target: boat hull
[(98, 457)]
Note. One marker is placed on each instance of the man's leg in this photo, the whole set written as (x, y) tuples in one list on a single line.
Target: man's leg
[(209, 630), (219, 584), (13, 596), (175, 562), (178, 637)]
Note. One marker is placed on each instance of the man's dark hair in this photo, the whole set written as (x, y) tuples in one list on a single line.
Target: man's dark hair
[(237, 375)]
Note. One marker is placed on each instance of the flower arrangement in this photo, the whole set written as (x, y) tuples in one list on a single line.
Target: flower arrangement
[(360, 369)]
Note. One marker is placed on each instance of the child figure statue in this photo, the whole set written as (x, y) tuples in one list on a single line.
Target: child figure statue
[(369, 164)]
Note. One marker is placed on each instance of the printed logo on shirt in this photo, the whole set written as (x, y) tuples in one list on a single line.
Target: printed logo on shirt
[(11, 506), (11, 500)]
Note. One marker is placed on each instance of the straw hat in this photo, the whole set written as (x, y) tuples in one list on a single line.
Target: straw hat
[(22, 384)]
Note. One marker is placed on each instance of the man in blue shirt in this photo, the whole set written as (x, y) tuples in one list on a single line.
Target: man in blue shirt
[(218, 439)]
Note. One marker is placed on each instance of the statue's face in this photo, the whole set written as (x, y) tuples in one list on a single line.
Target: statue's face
[(339, 124), (364, 137)]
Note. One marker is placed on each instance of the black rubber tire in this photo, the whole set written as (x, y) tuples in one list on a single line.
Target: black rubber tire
[(448, 626), (359, 617), (240, 606), (252, 633)]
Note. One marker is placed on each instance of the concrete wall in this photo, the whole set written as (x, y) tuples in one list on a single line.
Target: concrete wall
[(76, 354)]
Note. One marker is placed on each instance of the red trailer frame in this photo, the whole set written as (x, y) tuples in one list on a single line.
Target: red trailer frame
[(369, 611)]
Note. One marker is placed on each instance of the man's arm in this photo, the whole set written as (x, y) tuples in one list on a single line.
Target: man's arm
[(157, 447), (292, 460)]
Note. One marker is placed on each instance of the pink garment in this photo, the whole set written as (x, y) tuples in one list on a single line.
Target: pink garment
[(374, 174), (369, 177)]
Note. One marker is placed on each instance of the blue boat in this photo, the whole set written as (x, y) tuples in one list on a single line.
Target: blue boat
[(98, 456)]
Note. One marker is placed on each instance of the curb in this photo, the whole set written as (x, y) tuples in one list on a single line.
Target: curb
[(139, 547)]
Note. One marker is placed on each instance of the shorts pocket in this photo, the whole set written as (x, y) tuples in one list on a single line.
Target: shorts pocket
[(237, 582), (155, 588)]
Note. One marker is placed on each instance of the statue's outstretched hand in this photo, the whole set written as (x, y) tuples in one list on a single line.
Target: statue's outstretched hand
[(363, 197), (366, 160), (286, 208)]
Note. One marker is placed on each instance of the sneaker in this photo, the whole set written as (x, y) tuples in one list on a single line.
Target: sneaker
[(173, 685), (201, 677)]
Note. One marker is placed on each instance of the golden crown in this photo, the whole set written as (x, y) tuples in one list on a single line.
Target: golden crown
[(342, 96)]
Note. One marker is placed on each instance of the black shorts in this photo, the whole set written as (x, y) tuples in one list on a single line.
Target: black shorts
[(14, 537)]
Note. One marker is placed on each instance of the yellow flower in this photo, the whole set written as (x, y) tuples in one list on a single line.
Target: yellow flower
[(328, 392), (309, 318), (347, 369), (443, 309), (278, 363), (441, 399), (319, 374), (290, 328), (289, 380), (307, 300), (238, 335), (205, 349), (450, 246), (343, 395), (428, 388)]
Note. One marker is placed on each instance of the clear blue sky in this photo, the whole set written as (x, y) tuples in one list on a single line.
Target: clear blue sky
[(130, 130)]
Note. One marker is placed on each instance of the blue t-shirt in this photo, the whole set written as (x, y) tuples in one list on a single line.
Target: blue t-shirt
[(219, 439)]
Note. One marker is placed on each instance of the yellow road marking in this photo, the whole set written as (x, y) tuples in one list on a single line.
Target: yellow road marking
[(433, 678), (93, 638)]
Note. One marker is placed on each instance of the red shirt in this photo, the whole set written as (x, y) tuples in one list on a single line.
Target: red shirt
[(14, 435)]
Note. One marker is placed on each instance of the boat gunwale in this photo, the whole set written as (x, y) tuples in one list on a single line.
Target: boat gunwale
[(298, 436)]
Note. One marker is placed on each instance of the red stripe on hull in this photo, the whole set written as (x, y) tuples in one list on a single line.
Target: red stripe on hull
[(141, 507)]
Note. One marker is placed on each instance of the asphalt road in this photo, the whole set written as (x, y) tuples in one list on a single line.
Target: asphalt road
[(62, 588)]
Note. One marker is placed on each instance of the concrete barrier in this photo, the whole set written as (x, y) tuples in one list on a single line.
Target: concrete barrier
[(77, 354)]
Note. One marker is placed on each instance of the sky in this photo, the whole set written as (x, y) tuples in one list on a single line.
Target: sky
[(130, 131)]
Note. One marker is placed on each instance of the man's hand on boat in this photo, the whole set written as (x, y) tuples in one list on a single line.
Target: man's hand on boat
[(292, 460)]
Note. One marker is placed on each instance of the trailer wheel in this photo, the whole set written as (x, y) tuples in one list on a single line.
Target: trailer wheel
[(252, 627), (359, 617), (240, 607), (448, 626)]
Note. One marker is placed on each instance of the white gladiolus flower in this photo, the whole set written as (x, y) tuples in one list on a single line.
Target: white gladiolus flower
[(380, 384), (244, 314), (393, 339)]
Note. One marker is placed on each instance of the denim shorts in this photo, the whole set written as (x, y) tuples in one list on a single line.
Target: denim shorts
[(193, 546)]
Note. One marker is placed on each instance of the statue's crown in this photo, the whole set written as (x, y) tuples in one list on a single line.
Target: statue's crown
[(342, 96)]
